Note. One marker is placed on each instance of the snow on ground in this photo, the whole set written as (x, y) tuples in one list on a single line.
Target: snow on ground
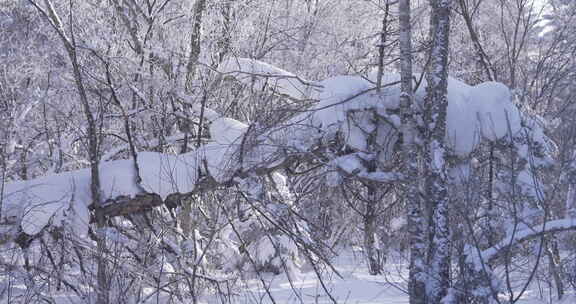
[(355, 287)]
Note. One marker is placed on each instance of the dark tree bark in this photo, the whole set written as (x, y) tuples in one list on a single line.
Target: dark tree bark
[(436, 177), (195, 40), (370, 217), (412, 154)]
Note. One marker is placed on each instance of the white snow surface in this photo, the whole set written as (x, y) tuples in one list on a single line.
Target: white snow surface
[(226, 131), (491, 100), (165, 174), (355, 286), (65, 196), (483, 111)]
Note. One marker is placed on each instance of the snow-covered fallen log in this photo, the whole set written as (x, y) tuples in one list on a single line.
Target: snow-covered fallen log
[(349, 107)]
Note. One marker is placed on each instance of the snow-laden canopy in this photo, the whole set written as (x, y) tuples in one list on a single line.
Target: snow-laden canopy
[(474, 112), (346, 106)]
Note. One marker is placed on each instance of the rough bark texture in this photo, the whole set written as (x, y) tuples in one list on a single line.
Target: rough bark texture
[(372, 252), (195, 40), (436, 177), (411, 153), (224, 43), (381, 47)]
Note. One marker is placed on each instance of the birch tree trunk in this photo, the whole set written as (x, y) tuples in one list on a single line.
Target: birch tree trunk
[(185, 217), (225, 41), (436, 178), (411, 152), (370, 217), (381, 47), (195, 39)]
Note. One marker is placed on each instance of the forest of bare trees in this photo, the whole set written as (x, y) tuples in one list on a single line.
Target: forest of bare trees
[(197, 151)]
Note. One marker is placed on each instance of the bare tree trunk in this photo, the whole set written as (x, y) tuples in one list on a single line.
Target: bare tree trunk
[(555, 268), (224, 44), (411, 152), (3, 167), (381, 47), (195, 40), (370, 216), (436, 177)]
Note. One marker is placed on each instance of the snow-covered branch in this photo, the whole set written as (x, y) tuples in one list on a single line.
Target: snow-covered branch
[(527, 234)]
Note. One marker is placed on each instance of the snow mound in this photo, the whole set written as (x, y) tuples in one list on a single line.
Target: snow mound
[(461, 132), (497, 115), (165, 174), (65, 197), (226, 131), (485, 111), (343, 94)]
